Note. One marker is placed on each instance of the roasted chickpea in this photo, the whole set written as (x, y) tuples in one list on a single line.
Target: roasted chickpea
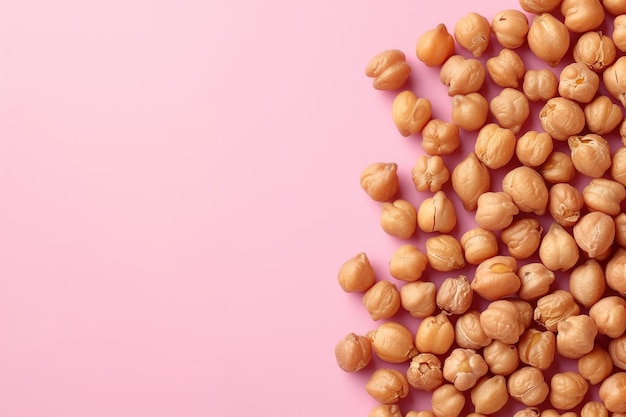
[(540, 84), (353, 352), (537, 348), (587, 283), (380, 180), (473, 33), (356, 274), (410, 113), (609, 315), (425, 372), (407, 263), (565, 203), (533, 148), (527, 189), (389, 70), (399, 219), (510, 28), (501, 357), (462, 76), (595, 50), (436, 214), (435, 46), (470, 179), (430, 173), (554, 308), (496, 278), (535, 280), (418, 298), (470, 111), (548, 38), (506, 69), (387, 386), (382, 300), (478, 245), (495, 210), (510, 108)]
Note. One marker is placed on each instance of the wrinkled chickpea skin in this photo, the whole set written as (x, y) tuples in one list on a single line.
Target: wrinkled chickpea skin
[(430, 173), (467, 331), (533, 148), (565, 203), (496, 278), (392, 342), (528, 386), (447, 401), (604, 195), (562, 118), (387, 386), (455, 295), (380, 180), (382, 301), (425, 372), (502, 321), (615, 271), (582, 15), (591, 154), (527, 189), (594, 233), (479, 244), (595, 50), (596, 365), (440, 138), (506, 69), (356, 274), (435, 334), (577, 82), (609, 315), (353, 352), (410, 113), (510, 108), (618, 165), (535, 280), (558, 249), (389, 70), (602, 115), (462, 76), (473, 33), (495, 210), (558, 168), (495, 146), (537, 348), (575, 336), (489, 395), (540, 85), (386, 410), (463, 368), (399, 219), (407, 263), (555, 307), (444, 253), (419, 298), (510, 28), (501, 357), (567, 390)]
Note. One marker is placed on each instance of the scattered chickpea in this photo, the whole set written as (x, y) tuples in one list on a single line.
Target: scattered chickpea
[(575, 336), (540, 84), (594, 409), (609, 315), (526, 311), (558, 168), (582, 15), (577, 82), (618, 165), (478, 245), (587, 283), (425, 372), (387, 386), (495, 210), (506, 69), (558, 249), (554, 308), (407, 263), (617, 351), (495, 145), (462, 76), (455, 295), (539, 6), (435, 334), (595, 50), (399, 219), (602, 194), (594, 233), (528, 386), (463, 368), (602, 115), (596, 365), (501, 357), (510, 28), (430, 173), (615, 7), (435, 46), (528, 412), (470, 111), (356, 274), (619, 32), (386, 410), (473, 32), (501, 320), (535, 280), (468, 333), (496, 278), (444, 253), (380, 180), (567, 390), (615, 271), (565, 203), (510, 108), (527, 190), (353, 352), (447, 401), (620, 229), (410, 113), (562, 118), (533, 148), (614, 82), (489, 395), (470, 179), (537, 348), (392, 342), (436, 214), (389, 70), (591, 154), (418, 298), (440, 138), (382, 300), (548, 38), (613, 392)]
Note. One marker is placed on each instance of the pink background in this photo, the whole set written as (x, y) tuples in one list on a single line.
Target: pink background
[(179, 185)]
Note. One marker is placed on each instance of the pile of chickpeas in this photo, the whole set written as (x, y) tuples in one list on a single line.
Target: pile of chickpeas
[(494, 330)]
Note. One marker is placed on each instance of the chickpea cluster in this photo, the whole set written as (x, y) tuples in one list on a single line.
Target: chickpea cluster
[(476, 313)]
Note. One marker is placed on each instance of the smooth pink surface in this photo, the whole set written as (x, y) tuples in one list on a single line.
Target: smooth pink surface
[(179, 185)]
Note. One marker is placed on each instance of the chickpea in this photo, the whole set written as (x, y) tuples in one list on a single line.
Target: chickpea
[(567, 390), (382, 301), (495, 146), (478, 245), (435, 334), (444, 253), (410, 113), (618, 165), (565, 203), (496, 278), (506, 69), (622, 132), (554, 308), (614, 82), (614, 7), (527, 190), (389, 70), (470, 179), (430, 173), (423, 413), (535, 280), (510, 108), (380, 180), (502, 321), (455, 295), (470, 111), (540, 85), (495, 210), (399, 219), (609, 315), (440, 138), (561, 118), (356, 274), (537, 348), (392, 342), (462, 76), (528, 412), (463, 368), (594, 409), (591, 154), (473, 32), (467, 331), (526, 311), (489, 395), (582, 15), (558, 250), (548, 38), (575, 336), (501, 357), (533, 148), (425, 372), (437, 214), (619, 32), (602, 115), (596, 365), (620, 229), (613, 392), (617, 351), (594, 233), (386, 410), (604, 195), (447, 401), (418, 298), (615, 271), (387, 386), (558, 168), (510, 28), (587, 283), (595, 50), (353, 352), (528, 386), (435, 46), (577, 82), (407, 263), (539, 6)]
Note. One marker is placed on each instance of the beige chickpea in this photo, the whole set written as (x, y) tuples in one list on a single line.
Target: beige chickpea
[(604, 195), (619, 32), (447, 401), (386, 410), (506, 69), (548, 38), (528, 412), (555, 307), (468, 333), (510, 108), (444, 253), (356, 274), (614, 7), (470, 111), (594, 233), (399, 219), (595, 50), (558, 168), (622, 131), (501, 320), (594, 409), (455, 295), (473, 33), (387, 386), (425, 372), (577, 82), (422, 413), (539, 6), (528, 386), (380, 180), (410, 113), (609, 315), (495, 145), (440, 138), (591, 154), (435, 334), (430, 173), (392, 342), (565, 203), (389, 70), (463, 368), (535, 280), (407, 263), (558, 250), (436, 214), (582, 15), (353, 352), (540, 84), (533, 148), (618, 165), (435, 46), (596, 365), (489, 395), (510, 28), (620, 229), (615, 271), (614, 81), (462, 76), (587, 283), (567, 390), (527, 189), (602, 115), (575, 336), (537, 348), (382, 301), (495, 210), (501, 357), (418, 298), (470, 179), (617, 351), (478, 245), (613, 392), (561, 118), (526, 311), (496, 278)]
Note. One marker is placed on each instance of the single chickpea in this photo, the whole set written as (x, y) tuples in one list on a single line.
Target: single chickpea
[(388, 69), (558, 168), (528, 386), (594, 233), (609, 315), (387, 386), (613, 392), (575, 336), (382, 301), (528, 412), (615, 271), (501, 357), (407, 263), (596, 365), (602, 115), (455, 295), (447, 401), (527, 189), (533, 148), (444, 253), (399, 219), (526, 311), (386, 410), (577, 82), (467, 331), (619, 32), (540, 85), (392, 342), (489, 395), (435, 46), (435, 334), (620, 229), (422, 413), (495, 146), (430, 173), (537, 348), (462, 76), (473, 33), (470, 179), (591, 154), (440, 138), (554, 308), (604, 195), (617, 351), (380, 180), (510, 28), (618, 165), (539, 6), (587, 283), (425, 372), (353, 352), (582, 15), (479, 244), (356, 274), (561, 118), (463, 368), (418, 298), (436, 214), (495, 210), (535, 280), (410, 113), (614, 82), (496, 278), (615, 7), (506, 69), (470, 111), (567, 390), (501, 320), (548, 38), (558, 250), (595, 50), (565, 203), (510, 108), (594, 409)]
